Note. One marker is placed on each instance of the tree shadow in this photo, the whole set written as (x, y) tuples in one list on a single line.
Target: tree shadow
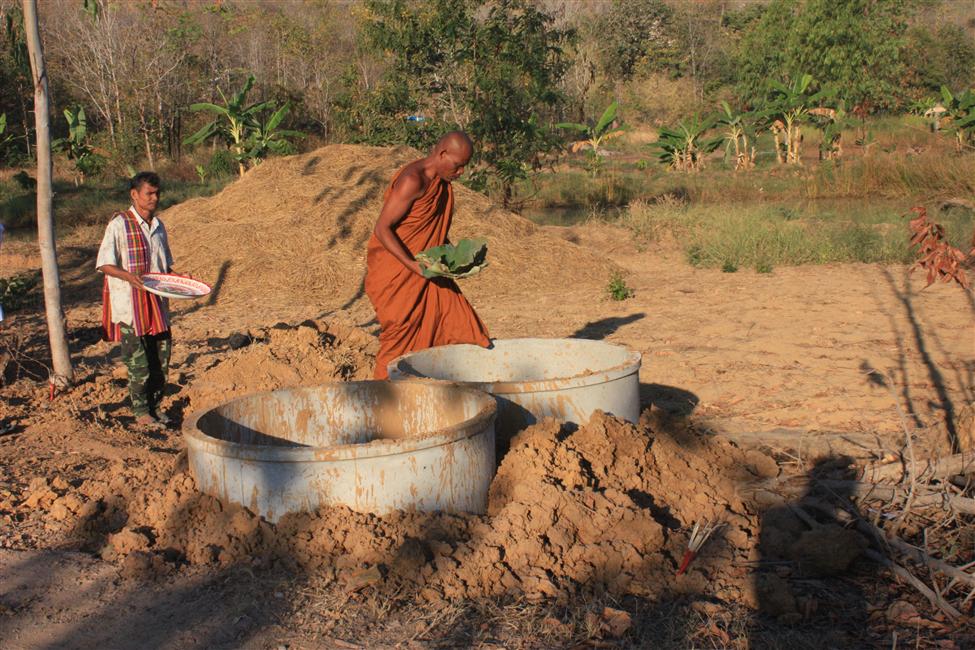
[(599, 329), (945, 403), (214, 293), (669, 399)]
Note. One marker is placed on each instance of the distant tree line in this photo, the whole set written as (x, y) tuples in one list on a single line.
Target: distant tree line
[(403, 71)]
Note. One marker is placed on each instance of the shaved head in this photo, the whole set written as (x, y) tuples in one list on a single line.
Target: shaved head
[(451, 153), (455, 141)]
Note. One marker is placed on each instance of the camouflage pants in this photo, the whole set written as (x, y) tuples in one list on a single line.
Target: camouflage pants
[(147, 360)]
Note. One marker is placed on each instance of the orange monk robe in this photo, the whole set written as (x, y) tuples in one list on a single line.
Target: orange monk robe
[(413, 312)]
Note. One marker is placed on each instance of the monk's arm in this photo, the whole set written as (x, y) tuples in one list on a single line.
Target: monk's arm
[(121, 274), (397, 205)]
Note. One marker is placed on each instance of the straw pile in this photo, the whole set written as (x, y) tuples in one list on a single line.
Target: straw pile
[(292, 235)]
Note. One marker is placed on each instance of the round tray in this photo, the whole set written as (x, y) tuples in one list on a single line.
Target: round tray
[(170, 285)]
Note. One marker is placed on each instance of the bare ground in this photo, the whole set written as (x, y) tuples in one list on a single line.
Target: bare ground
[(802, 356)]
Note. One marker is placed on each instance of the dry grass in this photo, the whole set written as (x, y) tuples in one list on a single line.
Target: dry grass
[(293, 232), (763, 236)]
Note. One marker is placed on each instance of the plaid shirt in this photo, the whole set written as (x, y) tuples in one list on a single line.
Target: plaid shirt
[(114, 250)]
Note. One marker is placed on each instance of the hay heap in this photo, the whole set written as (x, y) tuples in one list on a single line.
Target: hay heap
[(291, 235)]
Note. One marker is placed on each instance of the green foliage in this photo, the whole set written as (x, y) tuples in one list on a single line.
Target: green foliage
[(683, 147), (617, 288), (638, 34), (16, 291), (240, 126), (854, 45), (375, 116), (729, 266), (221, 164), (77, 147), (5, 137), (491, 68), (266, 138), (460, 260), (739, 135), (961, 116), (594, 133), (945, 57), (201, 173), (787, 108), (763, 267), (831, 124)]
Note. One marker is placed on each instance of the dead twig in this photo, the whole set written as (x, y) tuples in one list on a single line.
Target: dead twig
[(963, 463), (913, 580)]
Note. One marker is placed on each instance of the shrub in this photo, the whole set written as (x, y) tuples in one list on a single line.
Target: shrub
[(222, 164), (617, 288)]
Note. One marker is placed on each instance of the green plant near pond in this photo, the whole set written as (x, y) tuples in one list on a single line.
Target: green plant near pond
[(593, 135), (960, 115), (684, 147), (617, 288), (787, 109), (739, 134)]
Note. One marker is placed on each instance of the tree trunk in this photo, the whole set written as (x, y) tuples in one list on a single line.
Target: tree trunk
[(57, 335), (145, 136)]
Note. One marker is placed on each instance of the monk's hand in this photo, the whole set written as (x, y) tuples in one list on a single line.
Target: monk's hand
[(416, 268)]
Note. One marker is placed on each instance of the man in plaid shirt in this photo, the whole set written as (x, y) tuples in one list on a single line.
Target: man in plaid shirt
[(135, 243)]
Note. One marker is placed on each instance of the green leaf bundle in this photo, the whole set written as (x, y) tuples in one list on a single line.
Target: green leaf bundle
[(460, 260)]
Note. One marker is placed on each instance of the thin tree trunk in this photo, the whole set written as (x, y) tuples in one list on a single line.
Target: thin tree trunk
[(61, 359), (145, 137)]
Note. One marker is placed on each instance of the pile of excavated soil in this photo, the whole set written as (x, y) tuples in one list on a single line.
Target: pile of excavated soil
[(284, 356), (293, 232), (605, 508)]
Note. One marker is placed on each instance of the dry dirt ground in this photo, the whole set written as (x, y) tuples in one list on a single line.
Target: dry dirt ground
[(750, 382)]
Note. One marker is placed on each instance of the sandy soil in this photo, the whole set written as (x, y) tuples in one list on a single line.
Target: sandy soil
[(105, 543)]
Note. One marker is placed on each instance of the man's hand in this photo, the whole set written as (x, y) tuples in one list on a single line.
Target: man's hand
[(122, 274), (135, 280)]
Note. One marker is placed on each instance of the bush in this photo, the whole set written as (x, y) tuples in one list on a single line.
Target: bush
[(222, 164), (15, 292), (617, 288)]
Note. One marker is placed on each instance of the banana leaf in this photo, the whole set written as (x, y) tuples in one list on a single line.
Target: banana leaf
[(460, 260)]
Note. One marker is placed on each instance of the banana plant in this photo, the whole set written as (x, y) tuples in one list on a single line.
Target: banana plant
[(594, 134), (739, 133), (830, 122), (787, 110), (960, 117), (76, 146), (683, 147), (266, 137), (234, 122)]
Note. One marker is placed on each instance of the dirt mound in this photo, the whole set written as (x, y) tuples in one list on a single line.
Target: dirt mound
[(293, 232), (604, 508), (313, 352)]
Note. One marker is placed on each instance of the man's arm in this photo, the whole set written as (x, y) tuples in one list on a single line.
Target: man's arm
[(406, 190), (121, 274), (108, 256)]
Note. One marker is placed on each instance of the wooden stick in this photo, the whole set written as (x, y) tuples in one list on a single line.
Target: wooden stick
[(911, 551), (963, 463), (912, 580), (863, 490)]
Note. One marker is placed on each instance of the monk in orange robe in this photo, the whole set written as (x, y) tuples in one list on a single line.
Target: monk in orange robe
[(415, 312)]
